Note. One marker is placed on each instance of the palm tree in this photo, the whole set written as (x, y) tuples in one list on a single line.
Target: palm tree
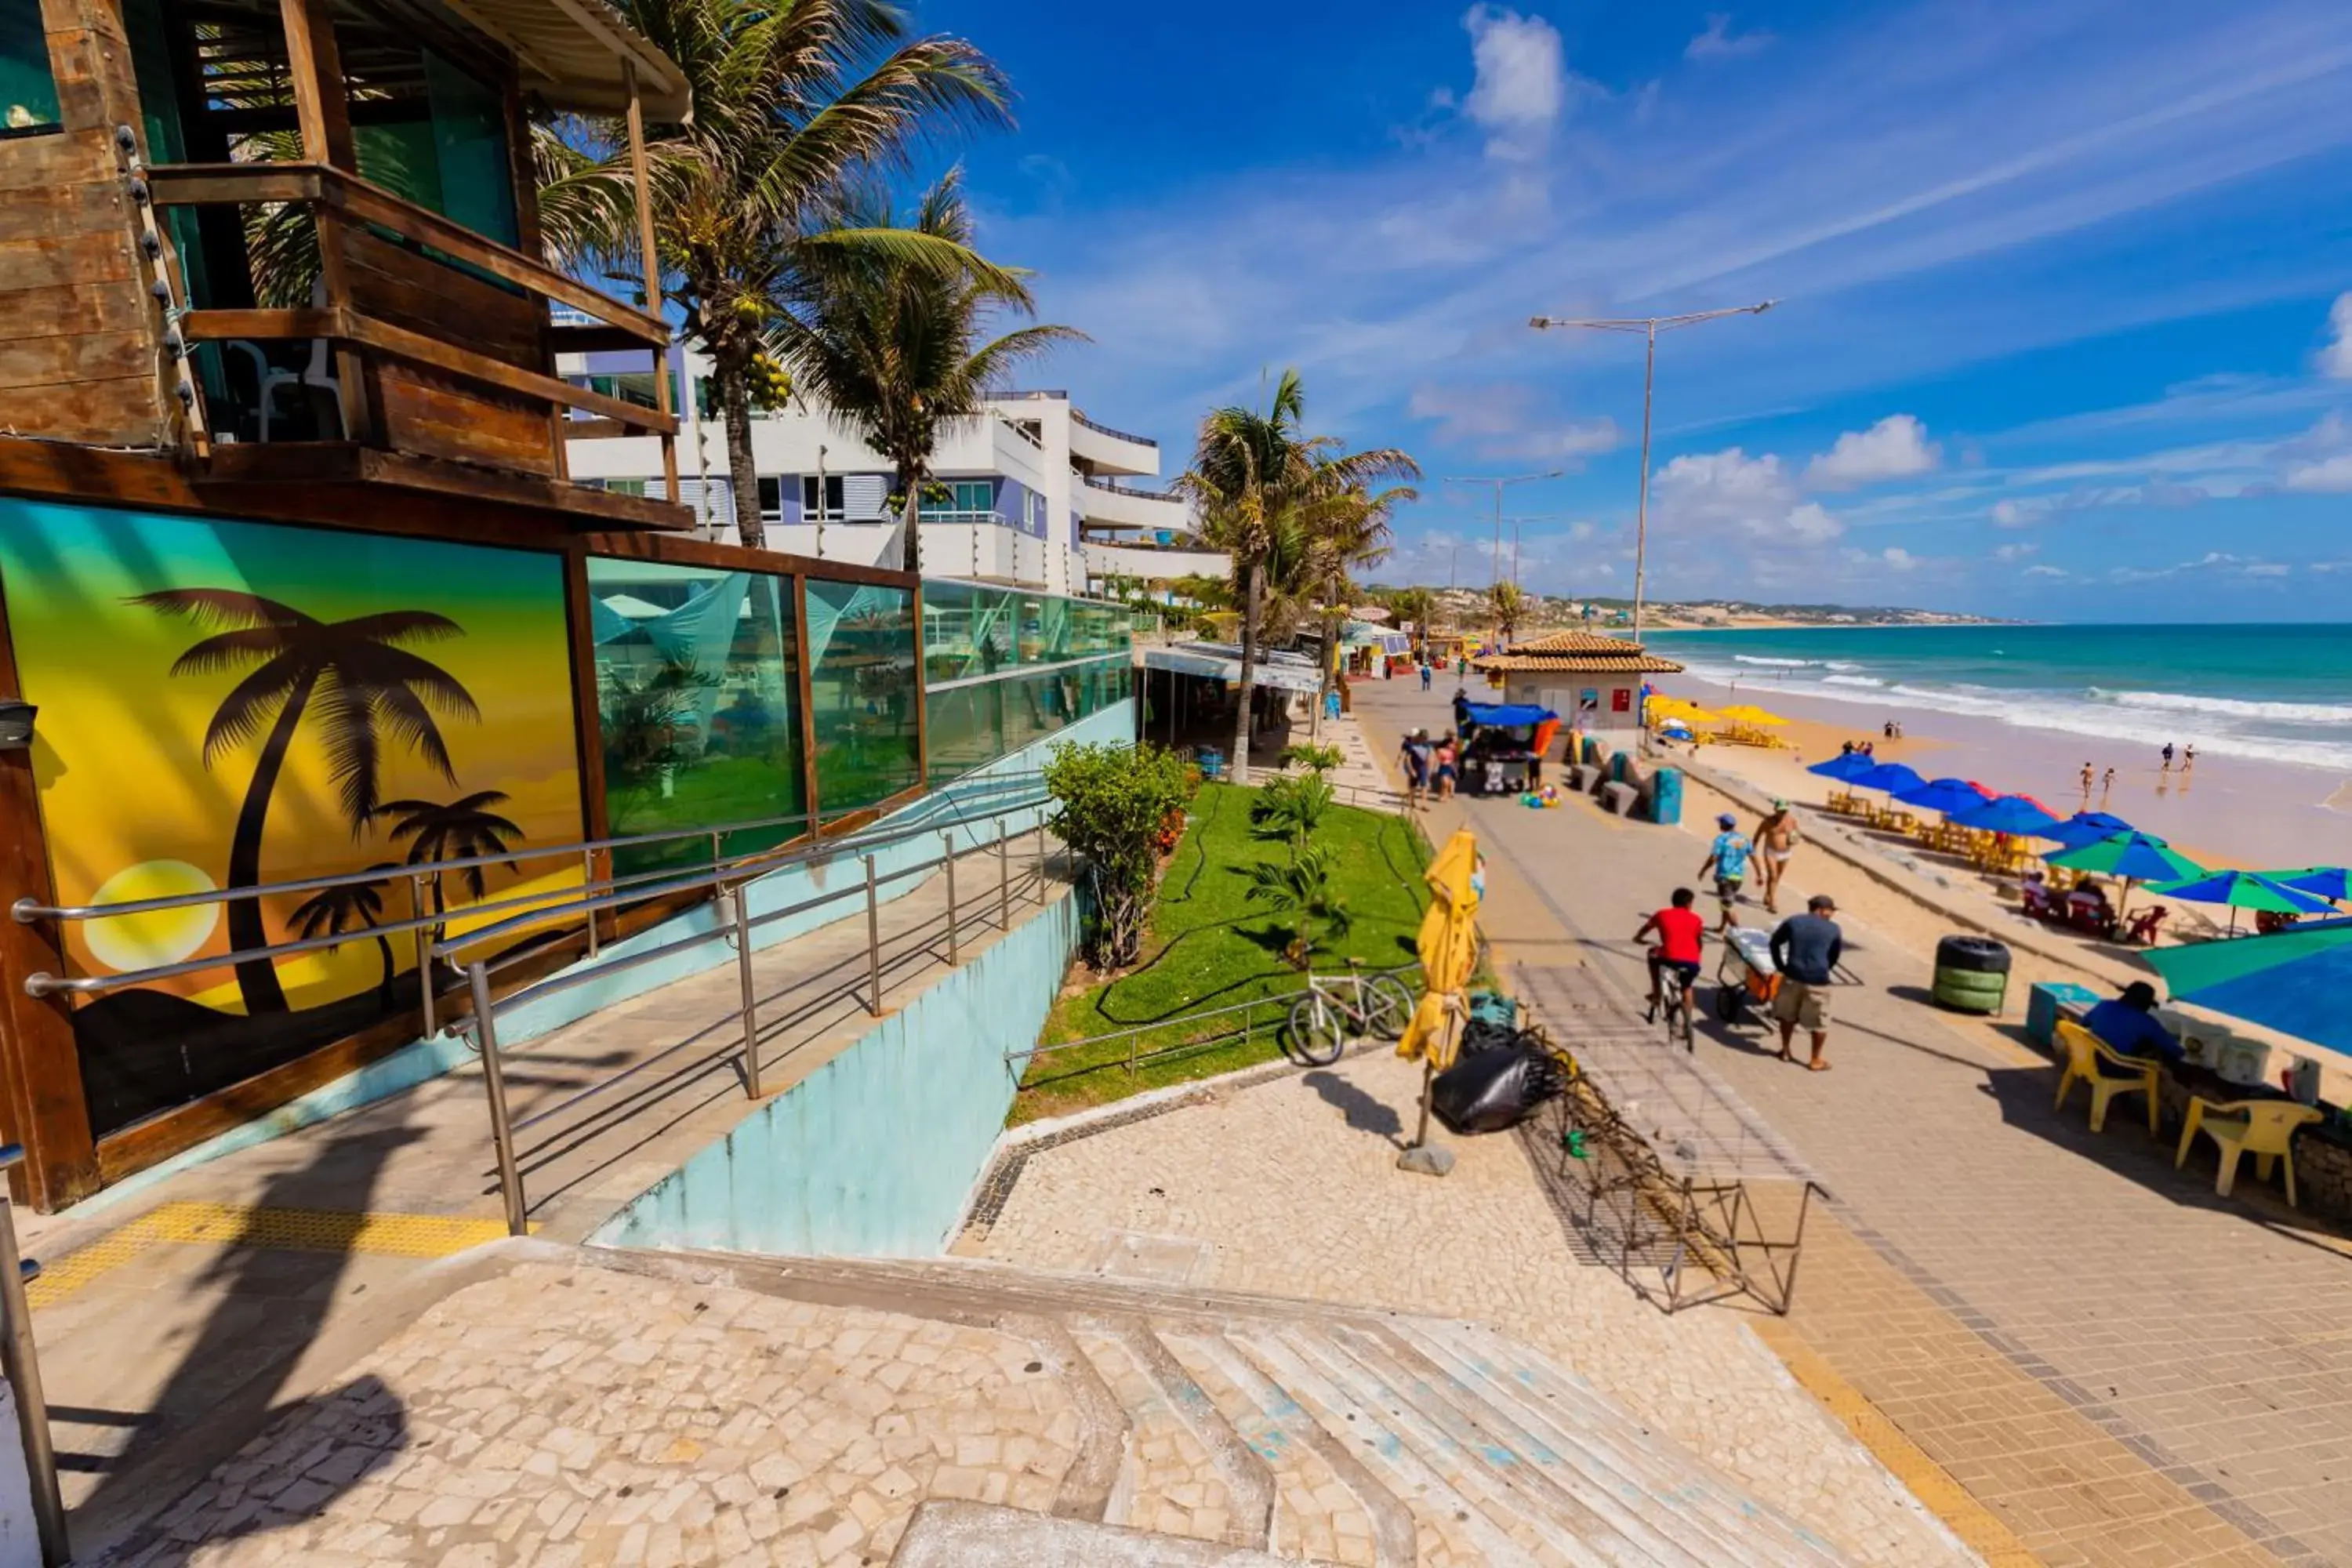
[(349, 907), (1508, 606), (1255, 474), (368, 688), (892, 344), (1418, 606), (794, 100), (1347, 531), (461, 829), (1301, 888)]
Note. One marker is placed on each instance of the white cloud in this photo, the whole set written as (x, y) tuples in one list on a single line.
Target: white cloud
[(2335, 359), (2019, 513), (1506, 419), (1896, 448), (1718, 42), (2045, 572), (2016, 552), (2330, 476), (1523, 84), (2213, 563), (1731, 493), (1900, 559)]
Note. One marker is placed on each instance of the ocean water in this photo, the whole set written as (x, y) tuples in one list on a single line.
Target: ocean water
[(2280, 693)]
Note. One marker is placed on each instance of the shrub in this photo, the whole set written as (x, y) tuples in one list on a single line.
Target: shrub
[(1292, 807), (1113, 803), (1315, 757), (1300, 887)]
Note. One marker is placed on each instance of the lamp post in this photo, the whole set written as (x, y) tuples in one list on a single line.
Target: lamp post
[(1649, 327), (1500, 481)]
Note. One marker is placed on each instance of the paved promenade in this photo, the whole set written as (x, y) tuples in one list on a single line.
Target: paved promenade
[(2119, 1366)]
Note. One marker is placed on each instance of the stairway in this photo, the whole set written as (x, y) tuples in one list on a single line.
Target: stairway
[(1224, 1428)]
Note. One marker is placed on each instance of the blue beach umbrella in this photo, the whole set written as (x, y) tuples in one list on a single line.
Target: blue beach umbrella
[(1892, 777), (1844, 768), (2292, 981), (2011, 814), (2322, 881), (2086, 827), (1946, 795)]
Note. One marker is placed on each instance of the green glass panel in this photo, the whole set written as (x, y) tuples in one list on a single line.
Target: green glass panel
[(698, 700), (29, 92), (470, 147), (864, 680)]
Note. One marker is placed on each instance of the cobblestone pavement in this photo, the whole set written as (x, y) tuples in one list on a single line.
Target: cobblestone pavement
[(1293, 1187), (2122, 1367), (556, 1417)]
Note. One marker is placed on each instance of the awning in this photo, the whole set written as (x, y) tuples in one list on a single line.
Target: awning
[(575, 53), (1209, 663), (1509, 715)]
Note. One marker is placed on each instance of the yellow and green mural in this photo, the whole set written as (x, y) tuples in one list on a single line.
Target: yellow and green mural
[(227, 704)]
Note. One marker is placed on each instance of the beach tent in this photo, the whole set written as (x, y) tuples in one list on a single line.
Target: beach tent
[(1892, 777), (2016, 815), (2324, 881), (1947, 796), (2244, 890), (1509, 715), (1844, 768), (2292, 981)]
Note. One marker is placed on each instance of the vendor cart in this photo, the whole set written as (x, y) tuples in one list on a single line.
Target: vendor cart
[(1746, 976)]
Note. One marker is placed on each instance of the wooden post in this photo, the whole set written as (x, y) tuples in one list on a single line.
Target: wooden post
[(316, 70), (40, 1068), (640, 172), (523, 178)]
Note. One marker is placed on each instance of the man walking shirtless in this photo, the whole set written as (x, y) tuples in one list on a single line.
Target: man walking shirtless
[(1776, 836)]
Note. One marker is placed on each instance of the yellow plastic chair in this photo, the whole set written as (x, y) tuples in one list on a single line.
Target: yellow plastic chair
[(2262, 1128), (2087, 1061)]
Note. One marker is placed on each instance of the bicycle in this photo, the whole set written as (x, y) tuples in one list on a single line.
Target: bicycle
[(1677, 1001), (1332, 1008)]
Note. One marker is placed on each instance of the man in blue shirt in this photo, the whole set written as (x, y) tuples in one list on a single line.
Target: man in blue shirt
[(1728, 859), (1805, 951), (2124, 1026)]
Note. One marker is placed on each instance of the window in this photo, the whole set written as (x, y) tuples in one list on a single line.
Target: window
[(618, 487), (863, 686), (29, 92), (961, 496), (834, 506), (432, 132), (772, 499)]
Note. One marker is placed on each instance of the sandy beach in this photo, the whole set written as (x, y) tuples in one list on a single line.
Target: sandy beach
[(2227, 810)]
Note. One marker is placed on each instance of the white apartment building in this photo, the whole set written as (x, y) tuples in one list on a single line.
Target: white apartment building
[(1033, 493)]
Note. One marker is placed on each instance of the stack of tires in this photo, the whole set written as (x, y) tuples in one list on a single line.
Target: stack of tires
[(1971, 975)]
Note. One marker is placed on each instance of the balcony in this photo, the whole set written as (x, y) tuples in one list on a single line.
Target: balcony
[(1102, 504), (1154, 562), (1110, 451)]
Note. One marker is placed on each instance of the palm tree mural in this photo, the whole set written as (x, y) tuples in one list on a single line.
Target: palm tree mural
[(367, 690), (462, 829), (351, 908)]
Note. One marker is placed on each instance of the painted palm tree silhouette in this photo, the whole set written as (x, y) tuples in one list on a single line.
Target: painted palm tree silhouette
[(461, 829), (353, 907), (367, 689)]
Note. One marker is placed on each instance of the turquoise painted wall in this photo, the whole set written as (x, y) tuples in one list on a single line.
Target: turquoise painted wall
[(422, 1059), (874, 1154)]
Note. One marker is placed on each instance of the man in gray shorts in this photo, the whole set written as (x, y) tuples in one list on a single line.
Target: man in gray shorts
[(1805, 949)]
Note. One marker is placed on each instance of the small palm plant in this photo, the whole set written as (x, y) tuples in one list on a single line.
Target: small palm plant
[(1300, 890), (1314, 757), (1291, 806)]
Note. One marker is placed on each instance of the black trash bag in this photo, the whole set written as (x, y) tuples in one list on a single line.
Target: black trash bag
[(1494, 1089), (1485, 1035)]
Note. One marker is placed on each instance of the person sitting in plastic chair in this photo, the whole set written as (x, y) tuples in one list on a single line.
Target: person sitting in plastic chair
[(2127, 1026)]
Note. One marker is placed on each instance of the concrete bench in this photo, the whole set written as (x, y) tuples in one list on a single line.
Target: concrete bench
[(1619, 799)]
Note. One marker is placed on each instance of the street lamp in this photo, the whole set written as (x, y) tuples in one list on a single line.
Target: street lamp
[(1649, 327), (1500, 481)]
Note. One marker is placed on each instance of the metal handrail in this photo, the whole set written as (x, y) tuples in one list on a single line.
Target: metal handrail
[(20, 1359), (1101, 429), (736, 930)]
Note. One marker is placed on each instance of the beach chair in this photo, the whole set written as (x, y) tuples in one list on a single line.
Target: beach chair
[(2109, 1073), (2145, 926), (2262, 1128)]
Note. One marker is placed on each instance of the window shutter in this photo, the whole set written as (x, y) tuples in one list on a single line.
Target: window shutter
[(863, 497)]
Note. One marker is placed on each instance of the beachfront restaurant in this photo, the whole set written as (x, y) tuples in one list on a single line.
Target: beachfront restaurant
[(1593, 682)]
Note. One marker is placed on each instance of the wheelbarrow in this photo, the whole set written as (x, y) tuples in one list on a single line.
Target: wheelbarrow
[(1746, 976)]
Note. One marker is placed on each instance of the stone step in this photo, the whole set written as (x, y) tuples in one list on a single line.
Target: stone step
[(974, 1535), (1565, 1412), (1169, 1482)]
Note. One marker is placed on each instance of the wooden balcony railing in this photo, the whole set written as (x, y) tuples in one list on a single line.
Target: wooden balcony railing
[(441, 340)]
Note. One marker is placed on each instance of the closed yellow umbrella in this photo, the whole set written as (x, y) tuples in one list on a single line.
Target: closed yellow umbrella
[(1449, 954)]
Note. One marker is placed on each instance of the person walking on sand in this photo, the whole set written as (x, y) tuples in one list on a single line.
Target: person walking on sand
[(1776, 836), (2089, 778), (1805, 949), (2106, 785), (2168, 757), (2188, 756)]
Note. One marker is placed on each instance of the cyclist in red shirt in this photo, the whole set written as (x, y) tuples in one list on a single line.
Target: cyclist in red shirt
[(1678, 927)]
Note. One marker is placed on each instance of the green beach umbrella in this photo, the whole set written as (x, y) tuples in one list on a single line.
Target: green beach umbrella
[(2128, 857), (2294, 981), (2244, 890)]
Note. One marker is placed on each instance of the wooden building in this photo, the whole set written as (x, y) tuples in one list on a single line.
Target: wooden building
[(294, 581), (1592, 682)]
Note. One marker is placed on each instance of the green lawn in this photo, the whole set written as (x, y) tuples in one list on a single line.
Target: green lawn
[(1210, 947)]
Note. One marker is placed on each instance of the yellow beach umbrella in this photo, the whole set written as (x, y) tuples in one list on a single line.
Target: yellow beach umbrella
[(1449, 953), (1744, 714)]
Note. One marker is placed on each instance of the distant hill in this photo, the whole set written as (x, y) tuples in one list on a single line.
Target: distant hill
[(1467, 607)]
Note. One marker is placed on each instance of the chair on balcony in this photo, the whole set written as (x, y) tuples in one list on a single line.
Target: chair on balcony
[(317, 376)]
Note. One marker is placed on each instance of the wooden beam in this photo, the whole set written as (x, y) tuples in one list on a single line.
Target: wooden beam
[(649, 261), (316, 70), (232, 184), (678, 550)]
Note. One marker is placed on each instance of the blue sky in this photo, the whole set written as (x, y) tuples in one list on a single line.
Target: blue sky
[(2066, 319)]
